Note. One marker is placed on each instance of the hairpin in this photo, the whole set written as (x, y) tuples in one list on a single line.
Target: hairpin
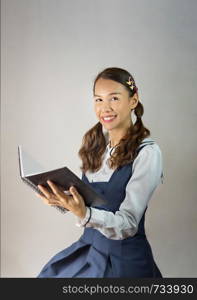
[(130, 83)]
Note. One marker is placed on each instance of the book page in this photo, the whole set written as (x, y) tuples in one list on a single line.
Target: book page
[(28, 165)]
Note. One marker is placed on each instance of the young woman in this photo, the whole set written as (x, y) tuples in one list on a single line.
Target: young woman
[(121, 161)]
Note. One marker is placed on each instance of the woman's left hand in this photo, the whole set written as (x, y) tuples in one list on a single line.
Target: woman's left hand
[(74, 203)]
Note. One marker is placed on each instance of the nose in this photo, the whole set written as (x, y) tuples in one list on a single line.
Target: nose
[(106, 106)]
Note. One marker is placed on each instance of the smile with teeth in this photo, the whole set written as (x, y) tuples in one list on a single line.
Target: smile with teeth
[(108, 119)]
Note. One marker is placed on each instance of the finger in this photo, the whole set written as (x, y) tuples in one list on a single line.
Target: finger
[(75, 194), (40, 196), (73, 190), (55, 189), (45, 200), (50, 202), (44, 191), (52, 186), (54, 203)]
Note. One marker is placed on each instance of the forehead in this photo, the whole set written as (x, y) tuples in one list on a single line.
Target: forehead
[(104, 87)]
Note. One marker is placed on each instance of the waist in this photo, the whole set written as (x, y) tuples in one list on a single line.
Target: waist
[(110, 246)]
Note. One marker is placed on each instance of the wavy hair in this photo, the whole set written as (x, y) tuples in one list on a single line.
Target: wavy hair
[(94, 141)]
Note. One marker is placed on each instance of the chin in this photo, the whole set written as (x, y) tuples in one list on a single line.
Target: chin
[(108, 127)]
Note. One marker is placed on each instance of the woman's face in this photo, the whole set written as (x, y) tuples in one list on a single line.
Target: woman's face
[(111, 100)]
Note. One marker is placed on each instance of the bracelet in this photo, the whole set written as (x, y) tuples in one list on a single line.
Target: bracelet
[(89, 216)]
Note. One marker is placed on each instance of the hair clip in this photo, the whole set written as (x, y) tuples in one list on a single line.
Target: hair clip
[(130, 83)]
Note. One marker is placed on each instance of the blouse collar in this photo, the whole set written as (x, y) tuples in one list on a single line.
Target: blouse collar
[(146, 140)]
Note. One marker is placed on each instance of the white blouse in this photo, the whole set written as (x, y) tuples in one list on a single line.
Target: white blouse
[(147, 174)]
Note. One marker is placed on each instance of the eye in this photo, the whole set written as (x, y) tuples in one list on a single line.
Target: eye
[(116, 98)]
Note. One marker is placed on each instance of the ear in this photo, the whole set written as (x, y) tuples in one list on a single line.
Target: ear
[(134, 100)]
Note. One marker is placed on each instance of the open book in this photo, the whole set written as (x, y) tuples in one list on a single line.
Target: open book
[(33, 174)]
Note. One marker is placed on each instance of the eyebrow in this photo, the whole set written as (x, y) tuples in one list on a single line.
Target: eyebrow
[(115, 93)]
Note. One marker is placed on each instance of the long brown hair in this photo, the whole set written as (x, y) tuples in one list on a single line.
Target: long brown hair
[(94, 141)]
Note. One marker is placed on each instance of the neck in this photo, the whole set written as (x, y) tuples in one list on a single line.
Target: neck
[(116, 135)]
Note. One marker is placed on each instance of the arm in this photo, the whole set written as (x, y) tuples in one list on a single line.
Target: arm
[(147, 172)]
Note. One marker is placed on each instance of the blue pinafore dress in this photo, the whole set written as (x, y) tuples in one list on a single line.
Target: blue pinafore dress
[(95, 255)]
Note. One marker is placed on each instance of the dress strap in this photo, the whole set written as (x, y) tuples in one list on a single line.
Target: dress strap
[(143, 144)]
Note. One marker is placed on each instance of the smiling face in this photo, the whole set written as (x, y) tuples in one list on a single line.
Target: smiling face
[(111, 100)]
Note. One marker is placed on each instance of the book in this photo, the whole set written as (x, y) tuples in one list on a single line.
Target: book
[(32, 173)]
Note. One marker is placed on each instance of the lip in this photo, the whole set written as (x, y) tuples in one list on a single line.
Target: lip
[(108, 116), (108, 121)]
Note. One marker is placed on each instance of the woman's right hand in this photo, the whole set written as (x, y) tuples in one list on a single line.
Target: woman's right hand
[(49, 198), (70, 200)]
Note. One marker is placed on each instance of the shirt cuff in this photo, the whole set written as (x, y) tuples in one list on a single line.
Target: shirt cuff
[(96, 220)]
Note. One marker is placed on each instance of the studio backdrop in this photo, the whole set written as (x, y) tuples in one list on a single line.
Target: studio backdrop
[(51, 52)]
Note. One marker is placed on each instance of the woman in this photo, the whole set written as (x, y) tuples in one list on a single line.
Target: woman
[(122, 162)]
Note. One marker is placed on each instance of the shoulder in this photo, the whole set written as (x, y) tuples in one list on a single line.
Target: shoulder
[(148, 165), (149, 145), (149, 153)]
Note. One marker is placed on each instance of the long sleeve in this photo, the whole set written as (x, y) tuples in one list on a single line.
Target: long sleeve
[(147, 174)]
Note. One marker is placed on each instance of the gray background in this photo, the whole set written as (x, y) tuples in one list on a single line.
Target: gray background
[(51, 53)]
